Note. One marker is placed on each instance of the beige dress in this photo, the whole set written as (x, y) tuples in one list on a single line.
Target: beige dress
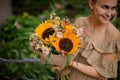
[(93, 54), (96, 54)]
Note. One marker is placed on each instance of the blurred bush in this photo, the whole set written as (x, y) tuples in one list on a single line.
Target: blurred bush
[(68, 7), (14, 35), (116, 22), (33, 7)]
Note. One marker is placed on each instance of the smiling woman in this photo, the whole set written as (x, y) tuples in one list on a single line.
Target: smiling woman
[(98, 56), (103, 11)]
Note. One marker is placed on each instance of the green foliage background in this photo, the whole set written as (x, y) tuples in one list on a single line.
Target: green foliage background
[(15, 32)]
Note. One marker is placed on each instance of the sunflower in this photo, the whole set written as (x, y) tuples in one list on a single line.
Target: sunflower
[(68, 44), (45, 29)]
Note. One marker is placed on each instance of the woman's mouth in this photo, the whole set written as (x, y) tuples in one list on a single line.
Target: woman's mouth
[(106, 18)]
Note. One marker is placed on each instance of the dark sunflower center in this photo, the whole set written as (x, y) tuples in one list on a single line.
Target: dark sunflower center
[(47, 32), (66, 44)]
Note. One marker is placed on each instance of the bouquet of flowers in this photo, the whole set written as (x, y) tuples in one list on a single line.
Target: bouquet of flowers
[(56, 37)]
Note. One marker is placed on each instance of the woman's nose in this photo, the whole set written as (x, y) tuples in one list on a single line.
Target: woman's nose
[(109, 12)]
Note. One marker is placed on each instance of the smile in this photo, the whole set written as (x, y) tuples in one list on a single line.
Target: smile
[(106, 18)]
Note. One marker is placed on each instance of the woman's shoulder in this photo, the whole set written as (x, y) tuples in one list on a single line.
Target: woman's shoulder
[(112, 30), (80, 21), (81, 18)]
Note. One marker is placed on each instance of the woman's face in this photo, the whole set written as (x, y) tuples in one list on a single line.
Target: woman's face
[(104, 10)]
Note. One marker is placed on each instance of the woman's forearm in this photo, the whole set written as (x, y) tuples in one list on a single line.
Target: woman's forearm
[(88, 70)]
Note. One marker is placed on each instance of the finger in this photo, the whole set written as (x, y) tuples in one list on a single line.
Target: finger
[(53, 67)]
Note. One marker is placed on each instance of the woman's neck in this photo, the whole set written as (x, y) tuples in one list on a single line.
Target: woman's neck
[(95, 24), (95, 28)]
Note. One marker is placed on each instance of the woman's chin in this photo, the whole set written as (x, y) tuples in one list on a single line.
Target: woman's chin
[(104, 21)]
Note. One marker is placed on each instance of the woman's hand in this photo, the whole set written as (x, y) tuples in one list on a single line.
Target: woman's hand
[(55, 68)]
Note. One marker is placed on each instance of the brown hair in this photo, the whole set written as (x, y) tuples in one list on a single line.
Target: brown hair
[(91, 2), (94, 1)]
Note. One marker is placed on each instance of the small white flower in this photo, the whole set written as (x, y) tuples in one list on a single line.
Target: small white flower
[(59, 34), (80, 31), (45, 49), (37, 47), (56, 27), (57, 18)]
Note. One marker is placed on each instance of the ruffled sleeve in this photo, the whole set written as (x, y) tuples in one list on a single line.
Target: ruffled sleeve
[(95, 56), (118, 49)]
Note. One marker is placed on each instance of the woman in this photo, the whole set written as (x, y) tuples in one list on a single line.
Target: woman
[(98, 56)]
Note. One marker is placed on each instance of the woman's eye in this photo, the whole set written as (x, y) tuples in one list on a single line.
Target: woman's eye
[(113, 8), (105, 7)]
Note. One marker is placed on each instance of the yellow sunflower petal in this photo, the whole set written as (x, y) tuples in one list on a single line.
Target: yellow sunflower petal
[(43, 28), (54, 41)]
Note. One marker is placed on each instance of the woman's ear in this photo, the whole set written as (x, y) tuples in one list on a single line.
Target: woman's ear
[(91, 4)]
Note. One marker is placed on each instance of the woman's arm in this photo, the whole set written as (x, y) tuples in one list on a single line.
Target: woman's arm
[(88, 70)]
